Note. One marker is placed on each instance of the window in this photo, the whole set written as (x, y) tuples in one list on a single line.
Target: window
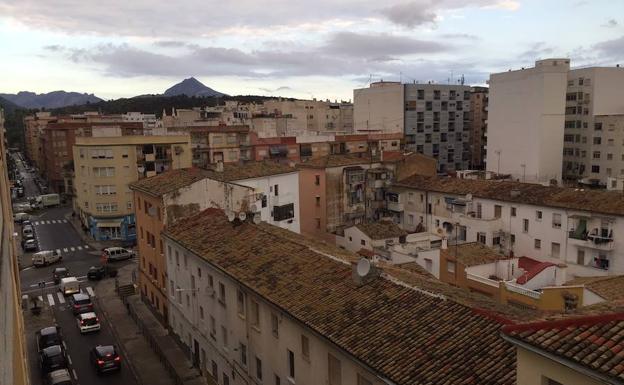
[(210, 279), (538, 244), (361, 380), (538, 215), (215, 371), (497, 211), (240, 302), (580, 257), (276, 190), (226, 379), (597, 140), (278, 381), (318, 201), (224, 336), (213, 328), (556, 221), (481, 238), (596, 155), (363, 242), (513, 211), (222, 293), (258, 369), (525, 225), (103, 171), (595, 169), (283, 212), (274, 325), (317, 180), (201, 312), (335, 370), (555, 249), (291, 364), (255, 314), (243, 353), (450, 266), (305, 347)]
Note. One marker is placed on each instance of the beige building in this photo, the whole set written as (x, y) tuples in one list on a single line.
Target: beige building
[(33, 130), (526, 120), (379, 108), (105, 166), (312, 115), (13, 360)]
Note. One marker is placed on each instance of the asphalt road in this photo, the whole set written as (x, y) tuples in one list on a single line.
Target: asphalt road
[(53, 233)]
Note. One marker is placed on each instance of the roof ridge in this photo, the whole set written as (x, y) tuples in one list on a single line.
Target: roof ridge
[(563, 322)]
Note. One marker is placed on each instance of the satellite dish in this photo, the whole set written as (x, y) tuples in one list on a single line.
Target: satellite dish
[(231, 216), (363, 267), (256, 218), (242, 216)]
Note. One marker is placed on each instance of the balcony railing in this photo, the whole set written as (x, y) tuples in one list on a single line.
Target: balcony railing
[(593, 241), (483, 280), (521, 290)]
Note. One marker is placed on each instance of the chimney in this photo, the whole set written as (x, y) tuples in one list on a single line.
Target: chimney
[(219, 167)]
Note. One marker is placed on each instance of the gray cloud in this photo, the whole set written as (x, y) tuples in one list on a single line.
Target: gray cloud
[(410, 14), (611, 23), (613, 49), (54, 48), (537, 50), (171, 43), (375, 46)]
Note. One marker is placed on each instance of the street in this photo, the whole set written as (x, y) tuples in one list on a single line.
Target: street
[(54, 232)]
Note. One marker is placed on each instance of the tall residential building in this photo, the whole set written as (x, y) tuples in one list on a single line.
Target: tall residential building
[(105, 166), (312, 115), (526, 120), (33, 127), (594, 117), (13, 344), (435, 118), (478, 120)]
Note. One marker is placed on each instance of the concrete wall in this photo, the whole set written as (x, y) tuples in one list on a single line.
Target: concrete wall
[(526, 120), (313, 216), (379, 108), (533, 369), (188, 323)]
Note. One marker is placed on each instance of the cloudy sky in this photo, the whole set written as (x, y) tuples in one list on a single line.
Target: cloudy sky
[(297, 48)]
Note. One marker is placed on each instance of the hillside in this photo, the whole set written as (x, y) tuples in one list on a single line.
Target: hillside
[(54, 99), (192, 87)]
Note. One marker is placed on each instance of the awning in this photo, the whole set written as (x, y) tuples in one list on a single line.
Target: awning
[(116, 223)]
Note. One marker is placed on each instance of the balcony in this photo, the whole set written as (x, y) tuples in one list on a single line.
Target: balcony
[(596, 242), (482, 280), (523, 291), (396, 206)]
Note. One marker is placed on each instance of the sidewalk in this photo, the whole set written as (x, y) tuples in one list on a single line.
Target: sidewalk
[(95, 245), (140, 357)]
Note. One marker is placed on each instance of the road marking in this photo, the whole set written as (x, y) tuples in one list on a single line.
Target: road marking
[(36, 223), (75, 375), (61, 300), (65, 250), (86, 246), (72, 248), (50, 300), (53, 221), (28, 268), (64, 345), (69, 359), (40, 298), (79, 247), (58, 251), (90, 291), (64, 220)]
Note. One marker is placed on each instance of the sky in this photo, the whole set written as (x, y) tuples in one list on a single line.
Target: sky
[(293, 48)]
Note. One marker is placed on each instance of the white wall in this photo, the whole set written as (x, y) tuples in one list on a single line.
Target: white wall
[(353, 238), (288, 192), (526, 121), (186, 322), (379, 108)]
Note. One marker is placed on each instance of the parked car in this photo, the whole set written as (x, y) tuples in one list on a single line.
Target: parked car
[(52, 358), (59, 377), (96, 272), (47, 257), (30, 245), (117, 253), (26, 222), (48, 336), (28, 230), (69, 286), (88, 322), (105, 358), (20, 217), (59, 273), (81, 303)]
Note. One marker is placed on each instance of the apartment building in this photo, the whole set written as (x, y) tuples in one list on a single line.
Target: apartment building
[(594, 116), (552, 224), (257, 304), (525, 121), (212, 144), (160, 201), (339, 191), (104, 167), (435, 118), (548, 351), (479, 98), (312, 115), (33, 127), (14, 363)]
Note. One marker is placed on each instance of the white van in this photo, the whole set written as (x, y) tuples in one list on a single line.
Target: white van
[(117, 253), (44, 258), (20, 217), (69, 286)]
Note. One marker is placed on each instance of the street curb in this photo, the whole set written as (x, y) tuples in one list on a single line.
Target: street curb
[(118, 338)]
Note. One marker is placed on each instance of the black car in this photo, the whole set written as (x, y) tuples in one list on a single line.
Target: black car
[(47, 337), (96, 272), (81, 303), (59, 273), (52, 358), (105, 358)]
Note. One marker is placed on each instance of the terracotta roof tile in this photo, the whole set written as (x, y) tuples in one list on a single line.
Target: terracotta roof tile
[(402, 333), (169, 181), (610, 288), (248, 170), (587, 341), (381, 230), (472, 254), (600, 201)]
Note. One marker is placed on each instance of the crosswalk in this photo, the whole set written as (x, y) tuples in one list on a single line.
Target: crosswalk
[(71, 249), (50, 222), (57, 298)]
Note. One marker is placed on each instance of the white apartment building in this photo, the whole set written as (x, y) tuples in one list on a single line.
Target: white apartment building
[(526, 120), (559, 225), (257, 305), (594, 123)]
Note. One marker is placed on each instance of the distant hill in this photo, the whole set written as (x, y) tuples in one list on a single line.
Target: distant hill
[(8, 106), (54, 99), (192, 87)]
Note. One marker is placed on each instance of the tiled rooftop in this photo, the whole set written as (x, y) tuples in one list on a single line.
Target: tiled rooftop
[(248, 170), (611, 288), (169, 181), (404, 334), (600, 201), (472, 254), (338, 160), (596, 343), (381, 230)]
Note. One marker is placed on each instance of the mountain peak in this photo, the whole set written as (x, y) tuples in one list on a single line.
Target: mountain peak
[(54, 99), (192, 87)]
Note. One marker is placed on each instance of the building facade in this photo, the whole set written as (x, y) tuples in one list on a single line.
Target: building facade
[(525, 121), (479, 98), (558, 225), (105, 166)]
